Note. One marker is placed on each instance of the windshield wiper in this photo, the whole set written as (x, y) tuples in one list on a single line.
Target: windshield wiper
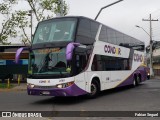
[(43, 62), (56, 68)]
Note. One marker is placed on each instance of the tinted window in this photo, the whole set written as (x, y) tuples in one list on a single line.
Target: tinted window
[(97, 63), (86, 32), (94, 29), (55, 30), (103, 34), (84, 28), (107, 63), (119, 38), (111, 35)]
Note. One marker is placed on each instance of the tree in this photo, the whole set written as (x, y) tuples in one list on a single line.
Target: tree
[(18, 20), (42, 9), (9, 23), (39, 7), (22, 24)]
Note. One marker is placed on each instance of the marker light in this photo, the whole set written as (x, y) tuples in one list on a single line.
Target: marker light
[(30, 85)]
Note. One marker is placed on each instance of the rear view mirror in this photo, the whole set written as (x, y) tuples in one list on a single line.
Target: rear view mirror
[(18, 53), (69, 50)]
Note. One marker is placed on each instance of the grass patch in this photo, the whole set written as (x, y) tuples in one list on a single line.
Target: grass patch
[(5, 85)]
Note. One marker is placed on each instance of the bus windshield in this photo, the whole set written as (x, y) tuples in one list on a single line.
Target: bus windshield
[(48, 61), (55, 30)]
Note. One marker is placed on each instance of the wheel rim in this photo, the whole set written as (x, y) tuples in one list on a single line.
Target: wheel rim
[(93, 89), (138, 80), (134, 82)]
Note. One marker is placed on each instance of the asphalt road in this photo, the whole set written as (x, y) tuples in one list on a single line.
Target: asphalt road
[(145, 97)]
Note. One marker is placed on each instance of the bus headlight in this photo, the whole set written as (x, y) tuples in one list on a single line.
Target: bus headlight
[(59, 86), (64, 85), (30, 85)]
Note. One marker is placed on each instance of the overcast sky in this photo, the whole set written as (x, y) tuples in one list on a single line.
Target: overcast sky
[(122, 16)]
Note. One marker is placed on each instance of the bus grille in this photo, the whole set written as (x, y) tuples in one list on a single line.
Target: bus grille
[(45, 87)]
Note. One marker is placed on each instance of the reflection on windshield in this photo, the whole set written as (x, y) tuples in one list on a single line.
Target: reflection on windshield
[(53, 62), (51, 31)]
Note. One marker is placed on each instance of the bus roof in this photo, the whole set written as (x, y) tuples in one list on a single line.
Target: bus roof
[(82, 17)]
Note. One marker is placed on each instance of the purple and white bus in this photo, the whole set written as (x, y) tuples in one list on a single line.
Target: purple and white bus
[(75, 55)]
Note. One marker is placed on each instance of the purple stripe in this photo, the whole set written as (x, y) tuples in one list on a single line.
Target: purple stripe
[(73, 90), (140, 70)]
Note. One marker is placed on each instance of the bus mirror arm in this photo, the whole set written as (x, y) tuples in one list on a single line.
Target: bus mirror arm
[(18, 53), (71, 46)]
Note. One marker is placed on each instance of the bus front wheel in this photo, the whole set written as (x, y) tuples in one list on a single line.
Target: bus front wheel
[(95, 89)]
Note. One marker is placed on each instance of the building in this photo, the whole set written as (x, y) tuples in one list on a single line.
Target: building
[(8, 68), (155, 57), (156, 61)]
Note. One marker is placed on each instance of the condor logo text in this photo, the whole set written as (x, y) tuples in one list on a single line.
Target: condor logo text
[(112, 50), (138, 58)]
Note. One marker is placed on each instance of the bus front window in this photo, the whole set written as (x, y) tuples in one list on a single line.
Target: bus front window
[(49, 61), (55, 30)]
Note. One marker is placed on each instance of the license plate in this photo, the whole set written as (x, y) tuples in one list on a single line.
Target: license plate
[(46, 92)]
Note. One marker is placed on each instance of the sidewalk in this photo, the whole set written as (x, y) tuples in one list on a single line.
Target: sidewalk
[(156, 77), (21, 87)]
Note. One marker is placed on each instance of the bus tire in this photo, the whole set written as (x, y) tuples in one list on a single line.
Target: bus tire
[(138, 79), (95, 89), (135, 83)]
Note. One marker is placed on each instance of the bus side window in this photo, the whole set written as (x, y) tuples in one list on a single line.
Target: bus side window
[(97, 64), (81, 62), (77, 61)]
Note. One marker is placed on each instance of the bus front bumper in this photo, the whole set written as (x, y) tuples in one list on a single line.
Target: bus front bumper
[(72, 90)]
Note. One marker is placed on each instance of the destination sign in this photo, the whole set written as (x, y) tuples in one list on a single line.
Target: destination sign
[(45, 51)]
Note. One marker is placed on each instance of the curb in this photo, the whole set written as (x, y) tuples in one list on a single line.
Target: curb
[(156, 77), (16, 88), (12, 90)]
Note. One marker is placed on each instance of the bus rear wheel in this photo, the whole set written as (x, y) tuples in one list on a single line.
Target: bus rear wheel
[(136, 81)]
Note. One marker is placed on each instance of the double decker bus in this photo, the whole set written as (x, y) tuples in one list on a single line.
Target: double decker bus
[(75, 55)]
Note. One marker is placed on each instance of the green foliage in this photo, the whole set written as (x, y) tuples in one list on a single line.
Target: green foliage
[(57, 9), (38, 7), (16, 21), (5, 85), (7, 30), (4, 8), (8, 24), (54, 6), (22, 23)]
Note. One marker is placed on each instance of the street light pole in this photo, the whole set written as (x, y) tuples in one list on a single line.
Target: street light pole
[(106, 7), (143, 30), (151, 51), (30, 14), (61, 7), (151, 43), (150, 59)]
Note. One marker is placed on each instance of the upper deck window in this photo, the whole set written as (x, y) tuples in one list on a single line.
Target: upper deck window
[(55, 30), (86, 31)]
